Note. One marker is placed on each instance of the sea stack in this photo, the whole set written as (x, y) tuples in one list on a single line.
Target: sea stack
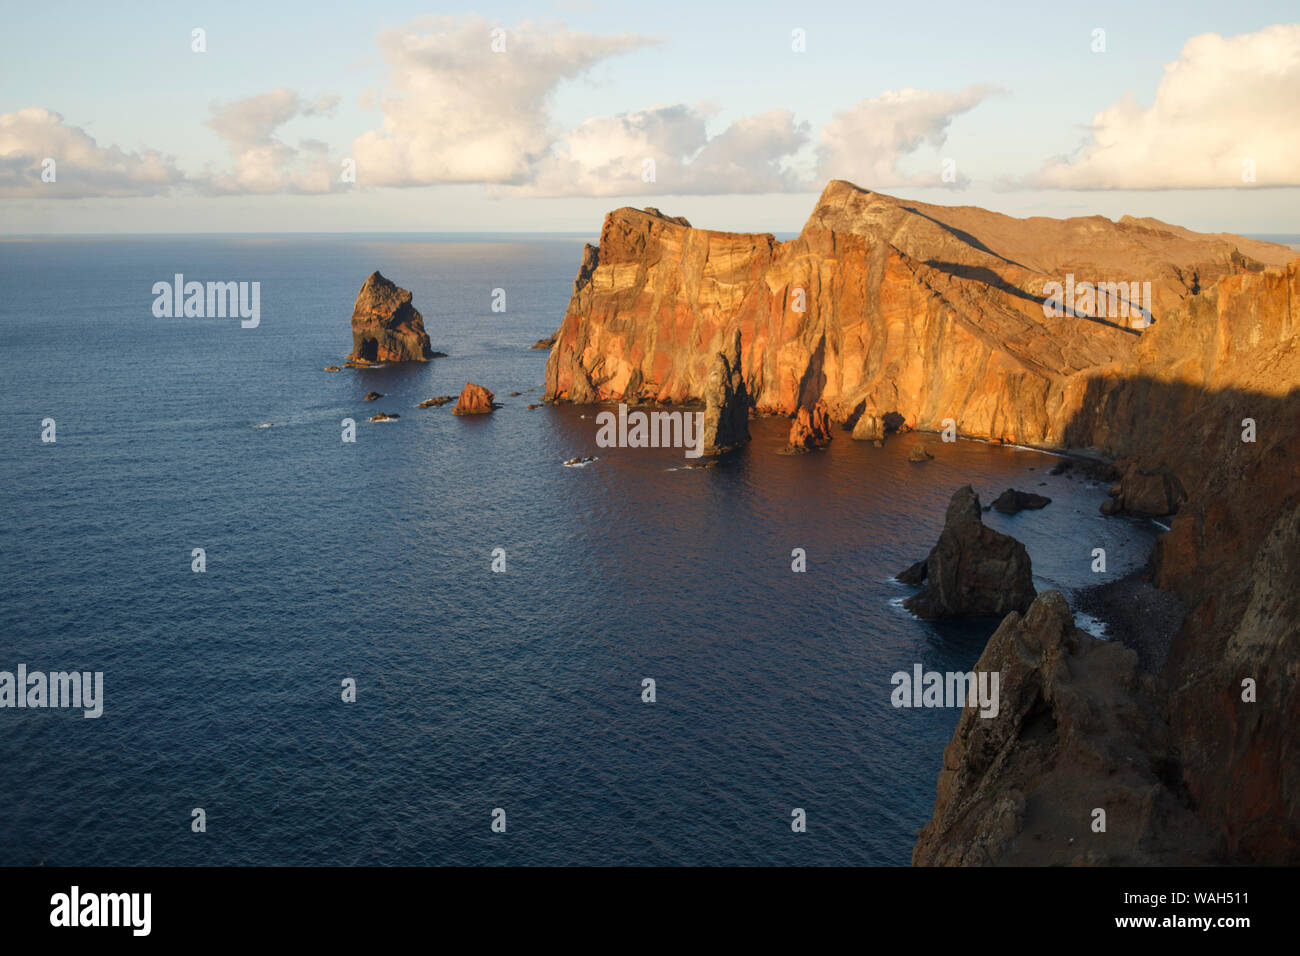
[(726, 402), (973, 571), (811, 429), (386, 327)]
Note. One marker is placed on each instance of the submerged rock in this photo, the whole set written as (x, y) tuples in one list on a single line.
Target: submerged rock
[(385, 325), (973, 571), (920, 452), (436, 402)]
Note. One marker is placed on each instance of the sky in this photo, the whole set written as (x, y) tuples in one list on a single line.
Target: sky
[(415, 117)]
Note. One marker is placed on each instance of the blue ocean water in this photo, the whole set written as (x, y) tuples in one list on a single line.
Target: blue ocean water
[(372, 561)]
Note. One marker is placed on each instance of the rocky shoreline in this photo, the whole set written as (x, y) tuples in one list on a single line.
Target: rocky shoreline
[(885, 315), (1135, 613)]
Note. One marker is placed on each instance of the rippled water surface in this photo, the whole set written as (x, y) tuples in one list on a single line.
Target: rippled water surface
[(476, 690)]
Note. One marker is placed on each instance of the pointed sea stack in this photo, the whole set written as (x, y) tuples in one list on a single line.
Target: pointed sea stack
[(973, 571), (385, 326), (726, 402)]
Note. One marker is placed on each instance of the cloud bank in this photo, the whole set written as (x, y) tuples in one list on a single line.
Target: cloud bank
[(465, 105), (264, 163), (1222, 103), (466, 101), (81, 168), (866, 143)]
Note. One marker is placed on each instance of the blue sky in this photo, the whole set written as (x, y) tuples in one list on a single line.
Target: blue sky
[(588, 88)]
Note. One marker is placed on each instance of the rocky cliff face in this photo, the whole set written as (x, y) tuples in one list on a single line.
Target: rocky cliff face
[(1215, 403), (893, 311), (385, 326), (1080, 729), (880, 307)]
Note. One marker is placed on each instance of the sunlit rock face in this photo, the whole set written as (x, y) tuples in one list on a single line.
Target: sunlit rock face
[(386, 327)]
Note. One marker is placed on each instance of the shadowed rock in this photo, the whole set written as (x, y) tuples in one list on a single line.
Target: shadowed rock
[(1012, 501), (1078, 727), (973, 571), (726, 402), (1146, 492)]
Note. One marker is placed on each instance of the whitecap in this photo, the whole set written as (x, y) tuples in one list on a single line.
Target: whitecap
[(1093, 625)]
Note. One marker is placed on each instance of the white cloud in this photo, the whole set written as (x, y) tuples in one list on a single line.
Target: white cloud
[(866, 142), (82, 168), (458, 112), (1221, 102), (611, 156), (264, 163)]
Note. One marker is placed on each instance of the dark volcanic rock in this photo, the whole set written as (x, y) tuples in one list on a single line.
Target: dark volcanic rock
[(385, 326), (914, 576), (1137, 614), (1079, 726), (973, 571), (474, 400), (1146, 492), (1012, 501), (726, 402)]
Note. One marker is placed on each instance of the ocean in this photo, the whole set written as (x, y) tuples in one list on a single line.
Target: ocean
[(372, 561)]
